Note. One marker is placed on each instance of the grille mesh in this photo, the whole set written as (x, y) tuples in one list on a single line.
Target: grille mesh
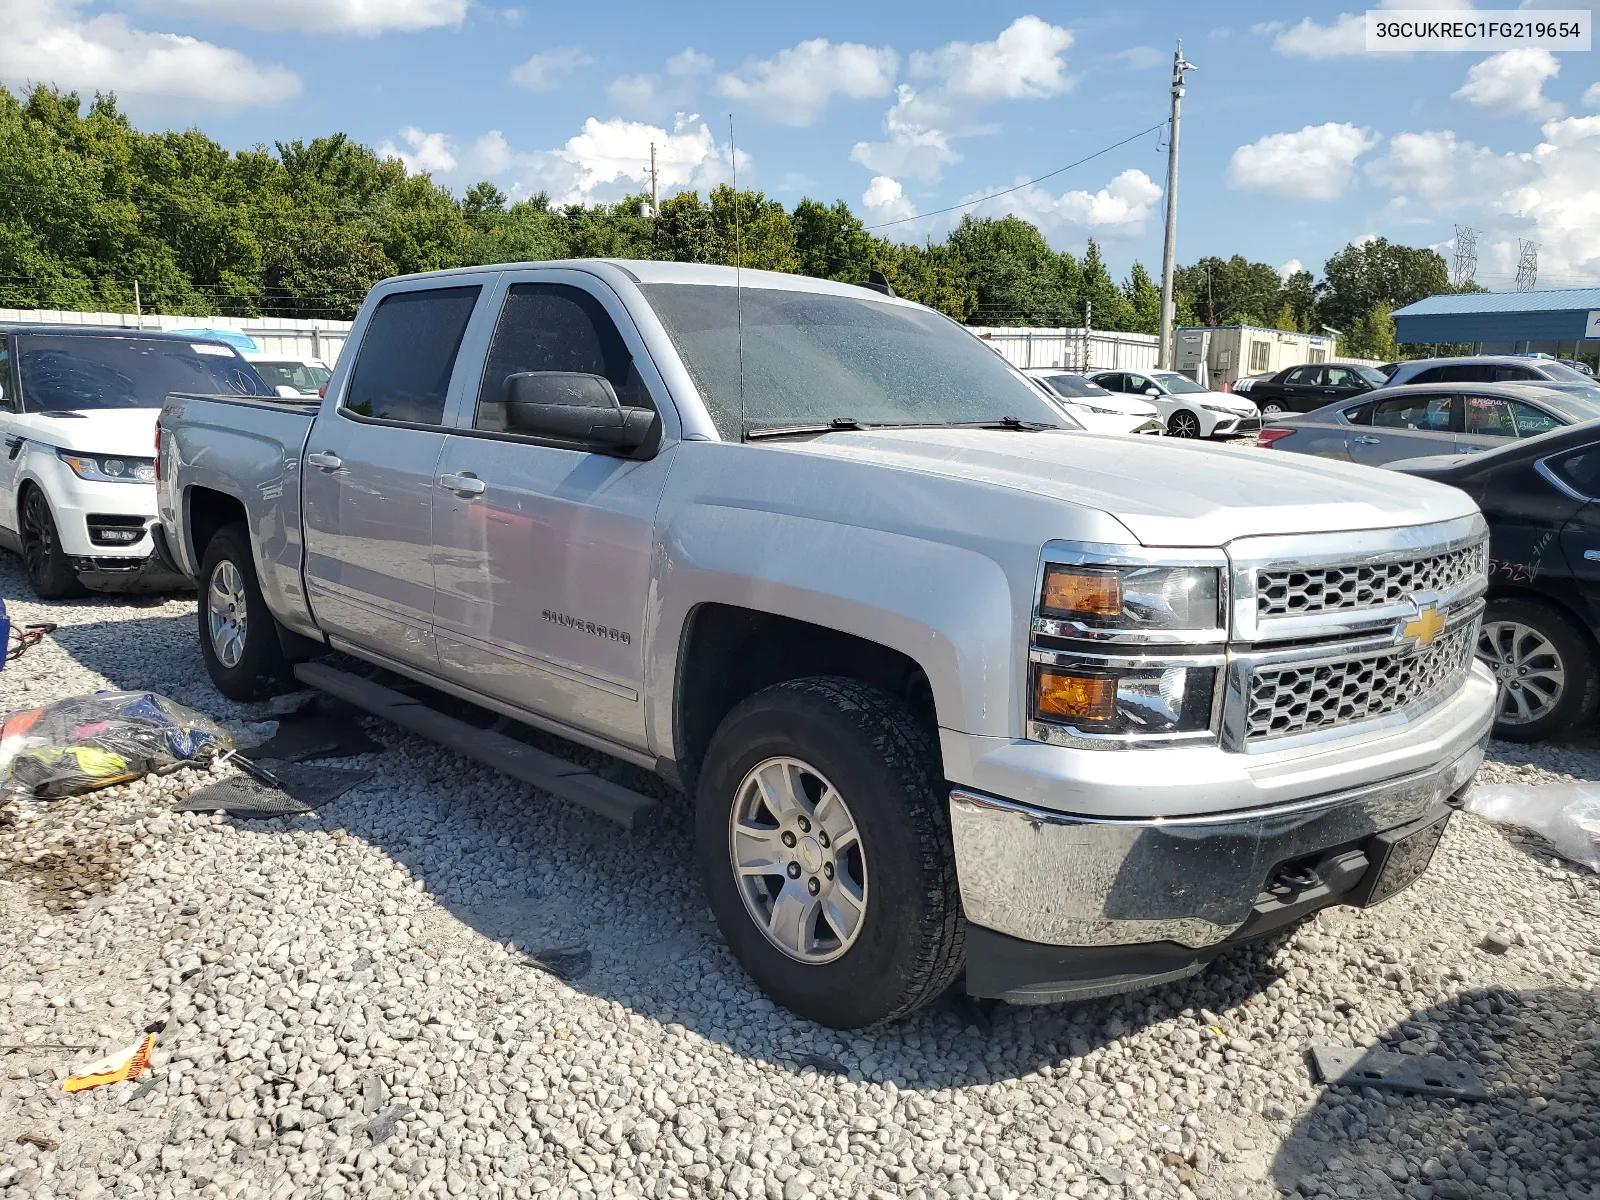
[(1289, 700), (1293, 593)]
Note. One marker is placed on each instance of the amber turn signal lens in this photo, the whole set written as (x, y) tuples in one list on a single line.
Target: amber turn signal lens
[(1082, 593), (1074, 697)]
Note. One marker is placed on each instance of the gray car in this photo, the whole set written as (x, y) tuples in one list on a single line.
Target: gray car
[(1486, 368), (1408, 422)]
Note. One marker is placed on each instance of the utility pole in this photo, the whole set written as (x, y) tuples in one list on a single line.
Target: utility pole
[(655, 195), (138, 308), (1168, 248)]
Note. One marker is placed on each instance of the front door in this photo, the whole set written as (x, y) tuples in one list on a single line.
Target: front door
[(1405, 426), (369, 477), (543, 551)]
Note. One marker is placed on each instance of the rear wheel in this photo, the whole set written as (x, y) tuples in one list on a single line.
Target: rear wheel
[(238, 634), (50, 571), (1183, 424), (1544, 665), (1271, 408), (823, 834)]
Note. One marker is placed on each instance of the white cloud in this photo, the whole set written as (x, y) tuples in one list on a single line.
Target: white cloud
[(915, 147), (489, 154), (1293, 267), (364, 17), (795, 87), (51, 41), (665, 91), (1591, 96), (549, 69), (1512, 82), (1023, 62), (1544, 193), (1139, 58), (885, 200), (1344, 37), (1313, 164), (1120, 209), (431, 152)]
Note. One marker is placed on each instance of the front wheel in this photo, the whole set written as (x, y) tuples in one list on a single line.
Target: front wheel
[(50, 571), (1183, 424), (823, 833), (1545, 668), (238, 634)]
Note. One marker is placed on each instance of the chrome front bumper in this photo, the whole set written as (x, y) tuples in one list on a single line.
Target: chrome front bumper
[(1062, 879)]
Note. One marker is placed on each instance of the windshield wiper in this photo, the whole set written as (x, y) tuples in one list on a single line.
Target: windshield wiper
[(1003, 423), (777, 431)]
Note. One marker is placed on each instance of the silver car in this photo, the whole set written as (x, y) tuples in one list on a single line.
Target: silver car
[(1408, 422)]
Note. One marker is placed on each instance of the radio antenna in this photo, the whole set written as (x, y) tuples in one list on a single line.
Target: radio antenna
[(738, 267)]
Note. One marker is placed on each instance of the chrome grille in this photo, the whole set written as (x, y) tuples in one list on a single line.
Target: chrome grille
[(1289, 699), (1292, 593)]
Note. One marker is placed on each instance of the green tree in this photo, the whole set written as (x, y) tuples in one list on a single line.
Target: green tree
[(831, 242), (1144, 300), (1016, 276), (1375, 273), (1111, 306)]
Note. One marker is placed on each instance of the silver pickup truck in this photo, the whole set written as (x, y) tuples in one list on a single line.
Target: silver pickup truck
[(960, 693)]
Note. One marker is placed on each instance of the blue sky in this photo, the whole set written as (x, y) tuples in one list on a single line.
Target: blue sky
[(1295, 140)]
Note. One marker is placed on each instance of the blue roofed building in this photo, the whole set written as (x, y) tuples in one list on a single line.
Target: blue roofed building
[(1558, 321)]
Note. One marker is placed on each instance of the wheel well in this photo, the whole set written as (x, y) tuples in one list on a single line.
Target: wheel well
[(210, 511), (730, 653), (1580, 620)]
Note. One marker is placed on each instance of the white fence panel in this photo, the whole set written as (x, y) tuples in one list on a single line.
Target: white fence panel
[(1072, 349), (288, 336)]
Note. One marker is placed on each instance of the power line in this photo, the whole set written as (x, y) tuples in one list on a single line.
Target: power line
[(1007, 191)]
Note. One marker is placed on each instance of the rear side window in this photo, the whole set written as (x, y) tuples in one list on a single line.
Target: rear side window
[(1579, 470), (1505, 374), (1533, 421), (403, 370), (1430, 414), (554, 327)]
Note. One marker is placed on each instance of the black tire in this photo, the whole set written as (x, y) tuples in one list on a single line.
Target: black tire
[(50, 571), (910, 943), (261, 669), (1573, 655), (1273, 408), (1183, 424)]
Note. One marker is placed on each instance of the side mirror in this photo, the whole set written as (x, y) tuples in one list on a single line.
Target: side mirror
[(1152, 391), (571, 406), (287, 392)]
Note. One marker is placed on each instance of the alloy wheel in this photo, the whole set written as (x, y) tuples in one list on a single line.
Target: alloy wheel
[(38, 536), (797, 858), (226, 615), (1183, 425), (1271, 409), (1528, 668)]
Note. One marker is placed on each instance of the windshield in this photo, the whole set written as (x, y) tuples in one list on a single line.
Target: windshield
[(1561, 373), (1372, 375), (811, 357), (303, 377), (1075, 385), (63, 373), (1177, 384)]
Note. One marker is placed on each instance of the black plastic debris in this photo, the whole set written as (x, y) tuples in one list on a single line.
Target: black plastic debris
[(566, 963), (1422, 1074), (820, 1063), (274, 789), (318, 731), (381, 1128)]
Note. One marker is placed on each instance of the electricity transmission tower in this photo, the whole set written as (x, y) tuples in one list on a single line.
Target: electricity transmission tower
[(1465, 268), (1527, 265)]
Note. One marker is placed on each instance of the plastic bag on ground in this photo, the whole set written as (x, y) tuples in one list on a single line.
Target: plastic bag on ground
[(1567, 815), (90, 742)]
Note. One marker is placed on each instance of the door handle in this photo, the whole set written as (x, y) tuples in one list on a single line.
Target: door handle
[(1364, 440), (324, 461), (463, 485), (1591, 556)]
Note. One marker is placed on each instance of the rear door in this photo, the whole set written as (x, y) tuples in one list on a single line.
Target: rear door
[(1410, 425), (1340, 383), (368, 482), (543, 551), (1576, 474), (1300, 390)]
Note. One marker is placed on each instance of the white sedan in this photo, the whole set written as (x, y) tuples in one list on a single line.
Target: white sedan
[(1096, 409), (1189, 410)]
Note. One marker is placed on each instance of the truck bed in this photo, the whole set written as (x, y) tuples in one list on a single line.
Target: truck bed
[(249, 449)]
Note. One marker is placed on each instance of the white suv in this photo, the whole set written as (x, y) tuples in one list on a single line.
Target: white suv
[(78, 414)]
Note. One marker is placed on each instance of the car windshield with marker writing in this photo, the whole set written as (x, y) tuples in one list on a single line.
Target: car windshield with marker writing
[(816, 362), (77, 372)]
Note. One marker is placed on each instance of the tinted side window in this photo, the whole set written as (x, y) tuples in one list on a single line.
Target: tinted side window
[(1579, 470), (1431, 375), (1428, 413), (1514, 374), (1532, 421), (553, 327), (1302, 375), (1490, 415), (8, 402), (1111, 381), (1340, 377), (1139, 384), (403, 370)]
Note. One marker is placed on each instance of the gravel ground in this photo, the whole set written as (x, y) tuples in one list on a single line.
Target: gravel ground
[(353, 1008)]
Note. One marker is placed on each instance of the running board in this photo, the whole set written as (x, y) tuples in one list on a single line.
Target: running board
[(555, 775)]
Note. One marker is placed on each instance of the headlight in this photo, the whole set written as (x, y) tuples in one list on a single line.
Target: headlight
[(109, 470), (1217, 408), (1132, 598), (1108, 700)]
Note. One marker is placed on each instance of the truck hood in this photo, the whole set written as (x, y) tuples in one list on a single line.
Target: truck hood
[(1166, 491), (130, 432)]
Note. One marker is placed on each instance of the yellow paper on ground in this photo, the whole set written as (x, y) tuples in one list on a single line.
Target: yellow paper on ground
[(128, 1063)]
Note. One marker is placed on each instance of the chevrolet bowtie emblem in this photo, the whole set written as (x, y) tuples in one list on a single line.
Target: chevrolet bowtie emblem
[(1427, 625)]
